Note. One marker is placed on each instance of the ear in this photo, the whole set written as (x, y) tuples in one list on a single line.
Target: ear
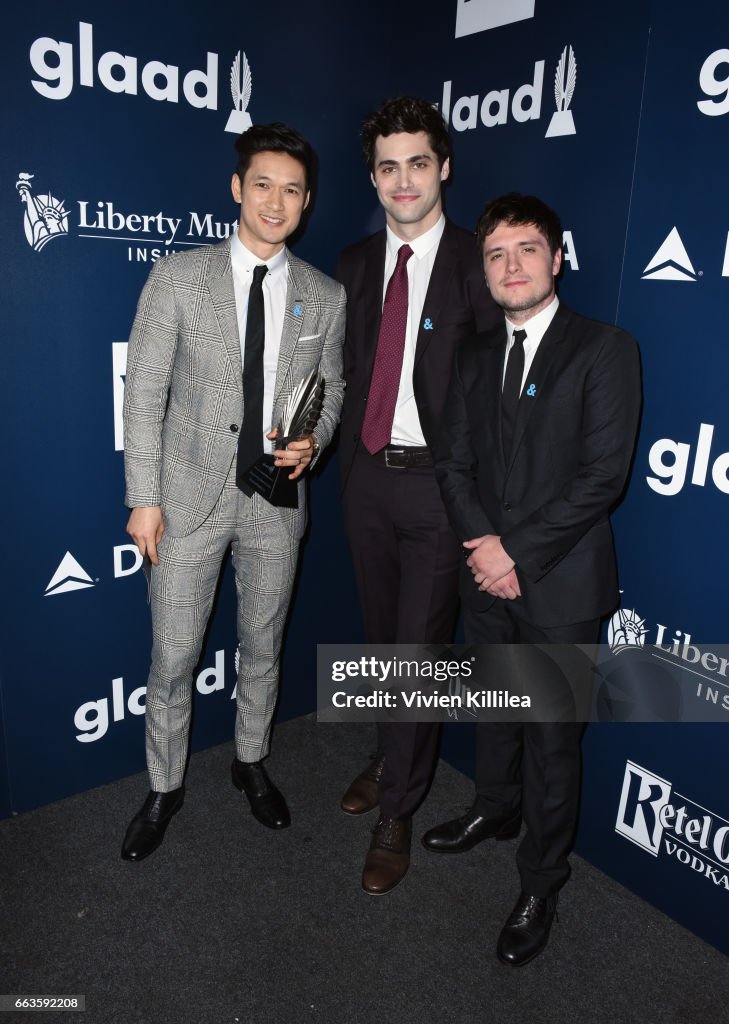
[(306, 200), (372, 179), (235, 188), (445, 169), (556, 262)]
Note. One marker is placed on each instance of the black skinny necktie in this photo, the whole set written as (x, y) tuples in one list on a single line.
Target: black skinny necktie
[(512, 390), (250, 440)]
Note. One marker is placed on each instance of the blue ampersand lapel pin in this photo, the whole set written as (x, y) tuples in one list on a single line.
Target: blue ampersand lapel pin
[(298, 309), (428, 324), (531, 390)]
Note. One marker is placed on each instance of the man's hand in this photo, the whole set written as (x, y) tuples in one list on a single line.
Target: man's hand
[(488, 561), (298, 454), (507, 588), (146, 527)]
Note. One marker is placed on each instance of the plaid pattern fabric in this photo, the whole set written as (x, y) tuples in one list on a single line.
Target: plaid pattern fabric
[(264, 555), (184, 379), (183, 395)]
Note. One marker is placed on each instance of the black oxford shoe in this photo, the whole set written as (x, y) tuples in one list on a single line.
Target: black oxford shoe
[(526, 931), (147, 828), (267, 802), (468, 831)]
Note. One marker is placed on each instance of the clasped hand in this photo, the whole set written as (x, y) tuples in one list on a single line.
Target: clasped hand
[(492, 568)]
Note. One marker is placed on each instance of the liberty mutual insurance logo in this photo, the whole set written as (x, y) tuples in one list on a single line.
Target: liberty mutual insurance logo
[(626, 631), (45, 217)]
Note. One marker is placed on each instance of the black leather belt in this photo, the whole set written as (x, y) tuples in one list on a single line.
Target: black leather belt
[(399, 457)]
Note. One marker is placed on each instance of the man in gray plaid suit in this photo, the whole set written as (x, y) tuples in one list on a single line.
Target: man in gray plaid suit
[(222, 337)]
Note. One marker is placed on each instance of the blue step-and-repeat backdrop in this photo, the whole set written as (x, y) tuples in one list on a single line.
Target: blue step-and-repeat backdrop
[(118, 149)]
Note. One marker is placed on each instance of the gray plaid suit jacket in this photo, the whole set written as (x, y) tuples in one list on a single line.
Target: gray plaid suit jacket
[(183, 401)]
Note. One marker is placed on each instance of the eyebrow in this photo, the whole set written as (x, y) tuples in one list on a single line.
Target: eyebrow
[(521, 241), (267, 177), (407, 160)]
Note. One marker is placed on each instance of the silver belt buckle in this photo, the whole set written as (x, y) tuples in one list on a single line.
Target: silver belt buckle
[(392, 465)]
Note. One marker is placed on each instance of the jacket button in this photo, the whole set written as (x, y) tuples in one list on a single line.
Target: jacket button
[(507, 506), (234, 427)]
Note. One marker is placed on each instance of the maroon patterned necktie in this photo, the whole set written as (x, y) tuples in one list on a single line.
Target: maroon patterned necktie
[(385, 383)]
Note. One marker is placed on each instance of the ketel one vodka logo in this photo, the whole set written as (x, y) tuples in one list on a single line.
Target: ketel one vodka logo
[(45, 217)]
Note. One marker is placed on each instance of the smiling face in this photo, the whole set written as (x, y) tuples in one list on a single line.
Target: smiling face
[(408, 178), (272, 198), (520, 269)]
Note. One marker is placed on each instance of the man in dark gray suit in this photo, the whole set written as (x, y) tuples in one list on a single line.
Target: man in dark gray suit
[(222, 337)]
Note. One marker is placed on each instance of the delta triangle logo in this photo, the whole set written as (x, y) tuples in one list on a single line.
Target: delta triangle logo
[(68, 576), (671, 262)]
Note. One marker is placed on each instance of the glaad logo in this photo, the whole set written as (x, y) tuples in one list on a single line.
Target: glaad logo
[(526, 104), (652, 816), (92, 718), (119, 73), (713, 86), (671, 475), (565, 79), (481, 15), (45, 217), (69, 575), (626, 630), (241, 84), (671, 262)]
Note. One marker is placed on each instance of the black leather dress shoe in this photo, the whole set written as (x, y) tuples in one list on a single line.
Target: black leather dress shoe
[(147, 828), (465, 832), (526, 931), (267, 802)]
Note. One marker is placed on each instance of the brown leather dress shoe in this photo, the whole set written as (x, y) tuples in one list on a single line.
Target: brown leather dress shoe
[(388, 858), (363, 795)]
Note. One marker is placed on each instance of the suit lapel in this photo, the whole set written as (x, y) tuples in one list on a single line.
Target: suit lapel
[(537, 379), (373, 270), (220, 286), (445, 266), (298, 298)]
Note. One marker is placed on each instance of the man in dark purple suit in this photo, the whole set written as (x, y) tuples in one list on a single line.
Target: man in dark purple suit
[(414, 291)]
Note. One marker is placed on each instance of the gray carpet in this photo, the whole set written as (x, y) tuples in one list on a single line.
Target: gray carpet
[(228, 922)]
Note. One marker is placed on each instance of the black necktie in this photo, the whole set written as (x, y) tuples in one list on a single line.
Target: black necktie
[(250, 439), (512, 390)]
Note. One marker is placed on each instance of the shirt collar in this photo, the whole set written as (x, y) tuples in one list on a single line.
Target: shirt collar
[(535, 328), (244, 261), (421, 245)]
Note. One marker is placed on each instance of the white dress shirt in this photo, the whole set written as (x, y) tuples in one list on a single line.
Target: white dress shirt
[(535, 329), (406, 429), (275, 285)]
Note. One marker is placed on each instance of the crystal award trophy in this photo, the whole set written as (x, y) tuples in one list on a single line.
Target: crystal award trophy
[(298, 419)]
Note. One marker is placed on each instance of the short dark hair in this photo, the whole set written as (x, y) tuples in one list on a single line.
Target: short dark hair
[(406, 114), (514, 208), (276, 138)]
